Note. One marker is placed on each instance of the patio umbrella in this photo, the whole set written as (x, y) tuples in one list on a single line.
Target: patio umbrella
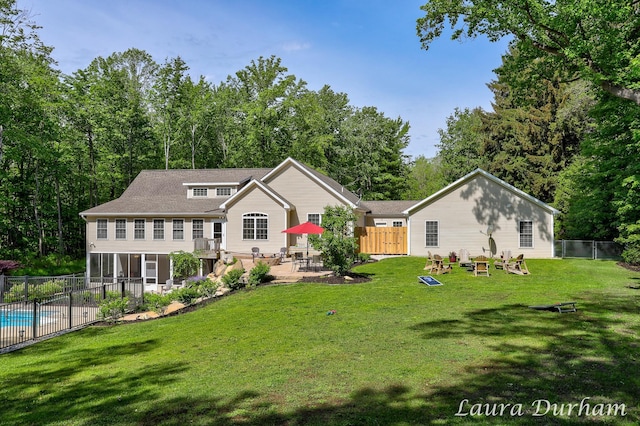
[(305, 229)]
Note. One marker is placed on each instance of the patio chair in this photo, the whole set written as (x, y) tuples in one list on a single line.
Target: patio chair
[(464, 260), (429, 265), (283, 253), (481, 266), (297, 260), (517, 267), (255, 252), (167, 287), (505, 258), (316, 262), (438, 266)]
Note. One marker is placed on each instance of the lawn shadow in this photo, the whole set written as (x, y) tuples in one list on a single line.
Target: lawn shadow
[(65, 390), (548, 356)]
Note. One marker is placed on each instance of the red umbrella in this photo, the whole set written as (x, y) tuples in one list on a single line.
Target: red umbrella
[(305, 228)]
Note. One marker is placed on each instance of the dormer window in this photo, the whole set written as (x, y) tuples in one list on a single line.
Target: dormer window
[(200, 192), (223, 192)]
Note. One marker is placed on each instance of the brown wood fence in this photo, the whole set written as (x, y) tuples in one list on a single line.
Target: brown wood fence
[(382, 240)]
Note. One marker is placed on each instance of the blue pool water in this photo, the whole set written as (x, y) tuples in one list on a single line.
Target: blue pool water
[(18, 318)]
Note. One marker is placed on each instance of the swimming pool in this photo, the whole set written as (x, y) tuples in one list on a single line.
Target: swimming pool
[(21, 318)]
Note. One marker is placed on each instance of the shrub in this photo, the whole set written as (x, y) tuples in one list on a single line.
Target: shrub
[(631, 254), (337, 242), (40, 292), (208, 288), (364, 257), (186, 295), (156, 302), (232, 279), (258, 273), (36, 292), (113, 306)]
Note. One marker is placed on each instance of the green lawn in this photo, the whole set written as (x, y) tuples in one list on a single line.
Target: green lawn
[(395, 352)]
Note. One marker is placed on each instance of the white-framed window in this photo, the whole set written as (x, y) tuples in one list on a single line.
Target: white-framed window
[(121, 229), (138, 229), (431, 233), (315, 218), (178, 229), (525, 230), (197, 228), (397, 224), (255, 226), (158, 229), (102, 229), (381, 224), (200, 192), (223, 191)]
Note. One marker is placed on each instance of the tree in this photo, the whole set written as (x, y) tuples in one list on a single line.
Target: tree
[(460, 147), (184, 264), (425, 178), (170, 105), (337, 243), (367, 157), (593, 40)]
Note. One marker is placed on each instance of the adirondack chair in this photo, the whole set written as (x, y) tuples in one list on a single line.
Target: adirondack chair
[(464, 260), (505, 258), (438, 266), (517, 267), (429, 265), (481, 266)]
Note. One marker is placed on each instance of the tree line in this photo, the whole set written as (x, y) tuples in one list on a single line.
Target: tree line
[(70, 142), (564, 123)]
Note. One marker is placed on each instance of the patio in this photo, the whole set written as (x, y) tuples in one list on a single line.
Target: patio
[(283, 272)]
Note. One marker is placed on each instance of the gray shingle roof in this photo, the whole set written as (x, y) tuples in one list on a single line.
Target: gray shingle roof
[(163, 192), (388, 208)]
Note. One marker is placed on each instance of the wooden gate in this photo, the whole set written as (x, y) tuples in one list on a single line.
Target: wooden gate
[(382, 240)]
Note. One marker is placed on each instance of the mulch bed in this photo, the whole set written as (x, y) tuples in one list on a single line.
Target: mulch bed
[(355, 279), (634, 268)]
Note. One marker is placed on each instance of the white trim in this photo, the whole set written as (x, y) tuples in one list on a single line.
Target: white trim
[(173, 229), (437, 235), (489, 176), (520, 234), (153, 229), (106, 238), (248, 187), (210, 183)]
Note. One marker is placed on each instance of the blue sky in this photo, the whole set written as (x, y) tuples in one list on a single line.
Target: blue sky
[(367, 49)]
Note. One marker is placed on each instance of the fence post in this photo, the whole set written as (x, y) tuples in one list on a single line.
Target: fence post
[(34, 323), (70, 311), (26, 288), (122, 289)]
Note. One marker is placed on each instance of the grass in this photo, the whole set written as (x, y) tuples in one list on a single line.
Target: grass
[(395, 352)]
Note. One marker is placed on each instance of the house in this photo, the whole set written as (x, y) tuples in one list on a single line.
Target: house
[(482, 214), (164, 211)]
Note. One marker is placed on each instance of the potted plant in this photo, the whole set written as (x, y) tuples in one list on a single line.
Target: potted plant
[(453, 257)]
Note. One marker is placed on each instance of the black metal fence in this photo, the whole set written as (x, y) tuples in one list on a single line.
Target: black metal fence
[(590, 249), (36, 307)]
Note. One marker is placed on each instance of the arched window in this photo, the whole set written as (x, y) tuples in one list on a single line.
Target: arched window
[(255, 226)]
